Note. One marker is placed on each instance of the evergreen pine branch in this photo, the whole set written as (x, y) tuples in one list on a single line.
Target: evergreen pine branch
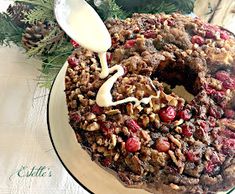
[(156, 7), (46, 80), (49, 43), (38, 14), (109, 9), (53, 63), (185, 6), (48, 4), (8, 31)]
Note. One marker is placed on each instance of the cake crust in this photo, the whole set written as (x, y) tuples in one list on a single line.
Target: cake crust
[(169, 145)]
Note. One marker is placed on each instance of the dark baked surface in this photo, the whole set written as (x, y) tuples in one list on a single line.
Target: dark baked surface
[(169, 145)]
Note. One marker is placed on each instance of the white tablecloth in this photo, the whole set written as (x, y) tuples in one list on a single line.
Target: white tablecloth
[(28, 163)]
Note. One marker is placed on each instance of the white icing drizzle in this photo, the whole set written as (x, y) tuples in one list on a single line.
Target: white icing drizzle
[(104, 97), (104, 65)]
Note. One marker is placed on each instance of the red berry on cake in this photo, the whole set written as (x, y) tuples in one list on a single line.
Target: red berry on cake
[(198, 40), (187, 130), (130, 43), (167, 114), (224, 35), (97, 109), (222, 75), (185, 114), (162, 145), (74, 43), (132, 125), (133, 144)]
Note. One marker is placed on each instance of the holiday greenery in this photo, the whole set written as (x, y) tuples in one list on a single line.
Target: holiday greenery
[(31, 24)]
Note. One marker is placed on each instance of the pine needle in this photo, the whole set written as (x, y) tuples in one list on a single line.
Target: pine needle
[(157, 7), (38, 14), (109, 9), (48, 4), (185, 6), (8, 31), (52, 64)]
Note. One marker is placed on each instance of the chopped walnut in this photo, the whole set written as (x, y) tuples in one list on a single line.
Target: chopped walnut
[(93, 127), (175, 141)]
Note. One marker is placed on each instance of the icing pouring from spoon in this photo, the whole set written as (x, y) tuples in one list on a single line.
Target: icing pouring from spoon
[(81, 22)]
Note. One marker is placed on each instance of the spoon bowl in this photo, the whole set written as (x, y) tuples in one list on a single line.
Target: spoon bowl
[(81, 23)]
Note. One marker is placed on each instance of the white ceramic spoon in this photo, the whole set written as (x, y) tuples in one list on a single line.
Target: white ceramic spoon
[(81, 22)]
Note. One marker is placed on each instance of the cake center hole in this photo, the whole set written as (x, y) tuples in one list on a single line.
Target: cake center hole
[(180, 79)]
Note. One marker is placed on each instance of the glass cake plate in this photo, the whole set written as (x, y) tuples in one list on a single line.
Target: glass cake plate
[(76, 161)]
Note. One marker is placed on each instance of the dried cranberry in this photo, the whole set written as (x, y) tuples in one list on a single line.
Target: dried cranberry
[(114, 42), (215, 158), (191, 156), (109, 57), (97, 109), (107, 162), (185, 114), (210, 34), (198, 40), (229, 146), (222, 75), (204, 125), (209, 167), (161, 20), (224, 35), (218, 96), (227, 133), (106, 127), (167, 114), (171, 23), (229, 113), (150, 34), (229, 84), (132, 125), (130, 43), (75, 117), (133, 144), (211, 30), (227, 81), (73, 62), (162, 145), (74, 43), (216, 111), (211, 121), (212, 163), (187, 130)]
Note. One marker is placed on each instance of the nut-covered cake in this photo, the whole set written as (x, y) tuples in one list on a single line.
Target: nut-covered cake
[(167, 143)]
